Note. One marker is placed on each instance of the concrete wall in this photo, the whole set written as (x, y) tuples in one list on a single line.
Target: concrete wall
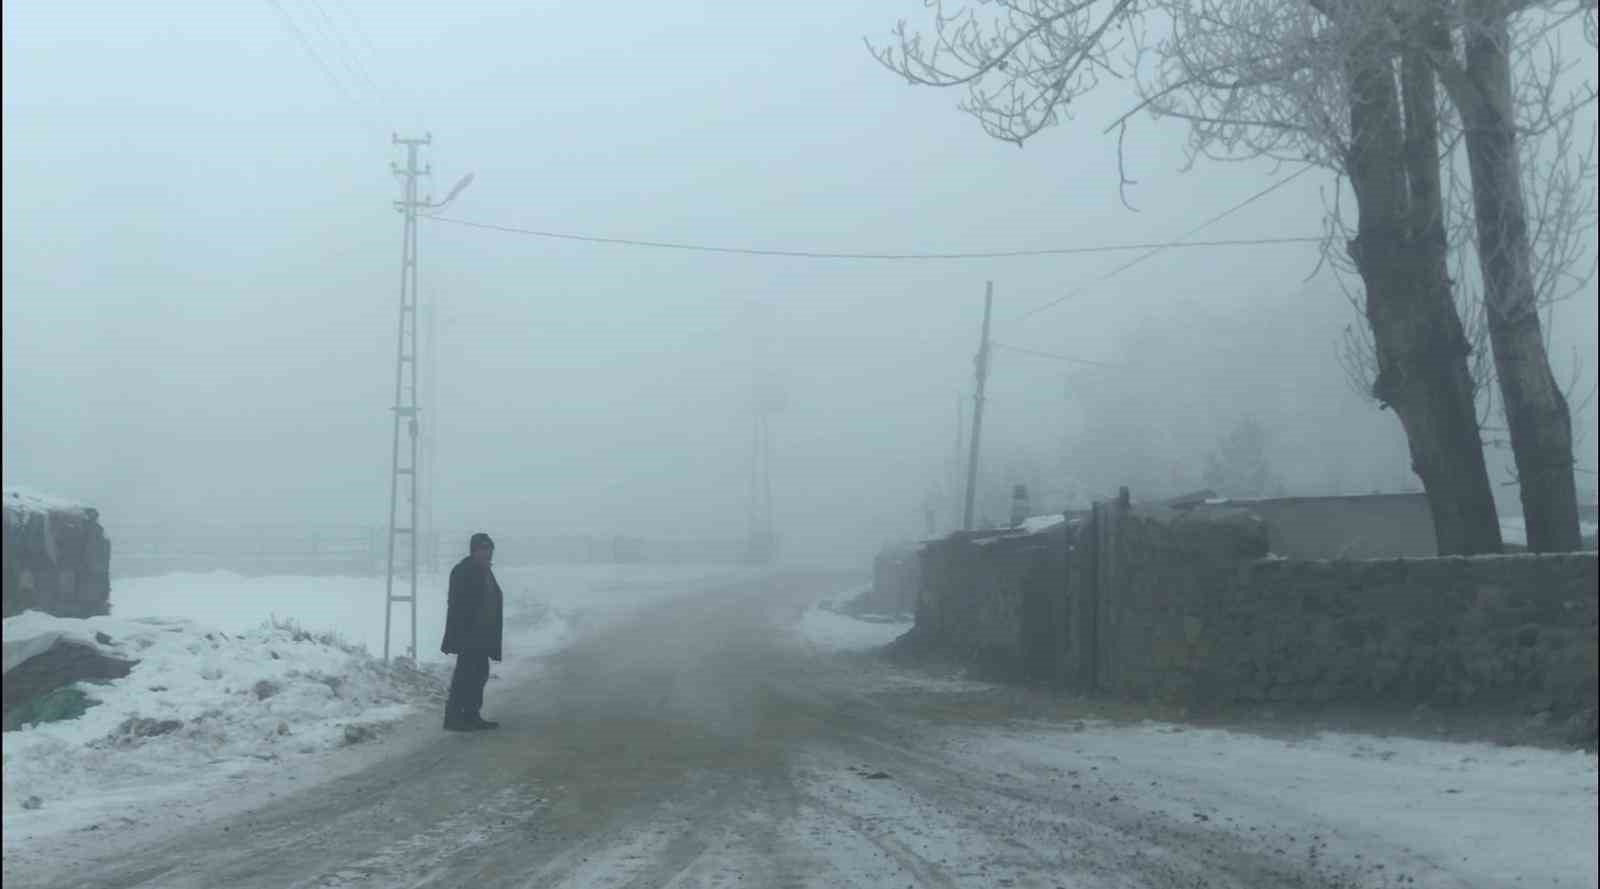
[(56, 560), (1367, 526)]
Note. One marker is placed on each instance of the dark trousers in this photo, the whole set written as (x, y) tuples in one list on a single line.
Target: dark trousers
[(466, 685)]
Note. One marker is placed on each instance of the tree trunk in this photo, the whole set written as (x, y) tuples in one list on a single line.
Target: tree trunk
[(1400, 251), (1537, 415)]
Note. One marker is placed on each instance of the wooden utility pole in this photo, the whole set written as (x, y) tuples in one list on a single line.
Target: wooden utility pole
[(982, 362)]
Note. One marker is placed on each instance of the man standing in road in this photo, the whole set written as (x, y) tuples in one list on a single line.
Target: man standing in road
[(472, 632)]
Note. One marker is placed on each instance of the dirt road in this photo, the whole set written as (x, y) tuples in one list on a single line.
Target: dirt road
[(697, 745)]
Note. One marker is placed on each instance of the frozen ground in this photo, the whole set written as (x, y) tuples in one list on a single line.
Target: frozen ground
[(1381, 811), (244, 680)]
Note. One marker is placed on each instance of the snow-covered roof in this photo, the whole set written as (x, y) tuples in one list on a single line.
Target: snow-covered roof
[(24, 501), (1035, 524)]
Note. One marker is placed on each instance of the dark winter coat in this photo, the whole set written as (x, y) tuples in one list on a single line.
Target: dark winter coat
[(463, 628)]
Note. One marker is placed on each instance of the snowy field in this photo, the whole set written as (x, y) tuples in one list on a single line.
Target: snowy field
[(543, 604), (243, 678)]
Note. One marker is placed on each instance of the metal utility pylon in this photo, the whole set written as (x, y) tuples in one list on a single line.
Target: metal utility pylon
[(405, 408)]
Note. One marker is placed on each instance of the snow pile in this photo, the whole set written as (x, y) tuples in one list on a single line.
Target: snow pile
[(199, 701), (827, 630)]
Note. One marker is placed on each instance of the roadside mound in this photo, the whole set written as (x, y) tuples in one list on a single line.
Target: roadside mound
[(197, 703)]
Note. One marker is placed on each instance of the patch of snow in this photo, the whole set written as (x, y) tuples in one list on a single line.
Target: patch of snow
[(201, 704), (1443, 813), (1038, 523), (203, 646), (33, 633), (351, 607), (827, 630), (544, 604), (23, 502)]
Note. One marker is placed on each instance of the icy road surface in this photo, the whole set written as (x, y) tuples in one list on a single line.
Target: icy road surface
[(725, 739)]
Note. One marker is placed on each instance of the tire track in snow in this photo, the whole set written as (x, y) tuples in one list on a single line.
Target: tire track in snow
[(424, 858)]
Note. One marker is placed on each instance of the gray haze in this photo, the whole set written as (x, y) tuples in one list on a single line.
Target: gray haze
[(201, 261)]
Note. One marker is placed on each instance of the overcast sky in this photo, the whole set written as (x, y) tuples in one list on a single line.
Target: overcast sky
[(201, 273)]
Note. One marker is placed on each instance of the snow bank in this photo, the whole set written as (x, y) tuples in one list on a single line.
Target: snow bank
[(200, 704), (827, 630), (1423, 813), (229, 685)]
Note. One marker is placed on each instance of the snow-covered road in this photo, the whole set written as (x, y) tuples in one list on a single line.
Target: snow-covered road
[(733, 738)]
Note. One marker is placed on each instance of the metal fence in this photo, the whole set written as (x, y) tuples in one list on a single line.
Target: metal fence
[(148, 549)]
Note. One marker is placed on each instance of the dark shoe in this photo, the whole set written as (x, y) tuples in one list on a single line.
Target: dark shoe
[(452, 724), (479, 724)]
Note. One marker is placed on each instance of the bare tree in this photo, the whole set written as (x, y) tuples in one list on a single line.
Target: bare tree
[(1239, 465), (1344, 84), (1498, 110)]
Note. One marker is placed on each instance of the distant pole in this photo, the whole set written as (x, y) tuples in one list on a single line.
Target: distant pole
[(982, 362)]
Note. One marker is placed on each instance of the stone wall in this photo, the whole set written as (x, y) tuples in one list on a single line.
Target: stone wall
[(1516, 631), (56, 558), (997, 599), (1185, 608), (1162, 579)]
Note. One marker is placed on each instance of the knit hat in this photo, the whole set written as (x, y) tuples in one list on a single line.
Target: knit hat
[(480, 539)]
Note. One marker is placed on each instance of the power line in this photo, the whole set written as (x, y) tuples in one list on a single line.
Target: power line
[(343, 51), (1181, 242), (1037, 353), (305, 44), (355, 27), (300, 36), (824, 254)]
